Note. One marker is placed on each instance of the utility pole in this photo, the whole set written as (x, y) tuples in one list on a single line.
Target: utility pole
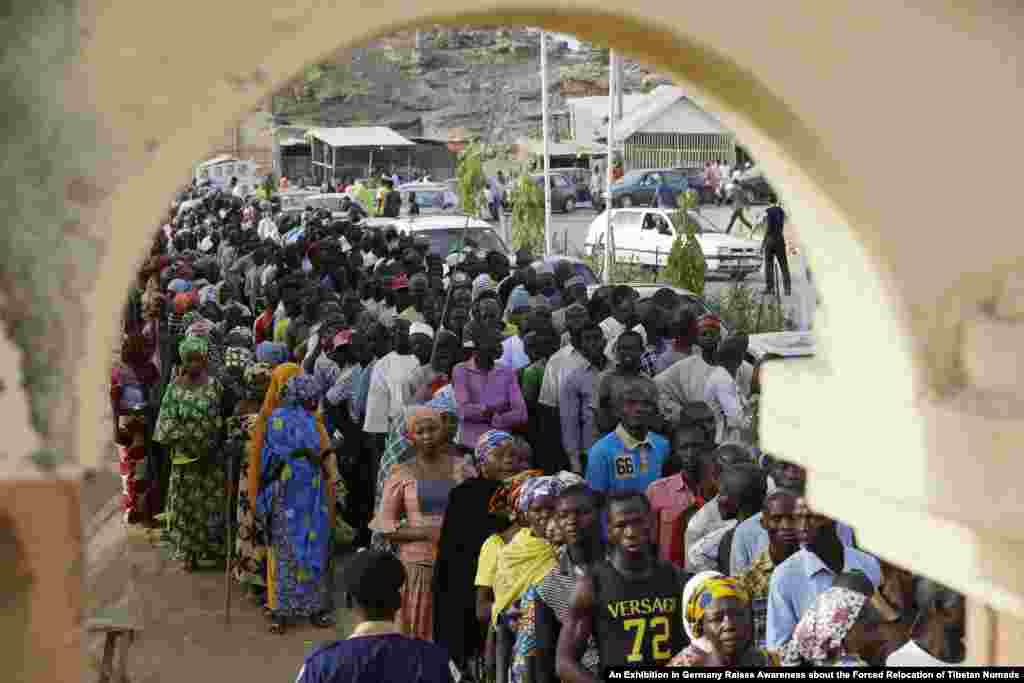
[(609, 238), (547, 155)]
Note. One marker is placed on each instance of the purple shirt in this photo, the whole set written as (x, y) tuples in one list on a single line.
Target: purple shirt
[(476, 390)]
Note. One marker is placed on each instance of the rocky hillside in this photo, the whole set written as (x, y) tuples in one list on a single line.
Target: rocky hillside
[(456, 84)]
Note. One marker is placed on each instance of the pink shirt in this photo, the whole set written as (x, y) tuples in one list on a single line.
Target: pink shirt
[(670, 498)]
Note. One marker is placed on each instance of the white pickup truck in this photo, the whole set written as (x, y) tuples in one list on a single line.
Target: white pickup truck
[(645, 237)]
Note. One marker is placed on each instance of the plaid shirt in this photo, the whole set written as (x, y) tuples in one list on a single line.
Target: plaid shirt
[(756, 581)]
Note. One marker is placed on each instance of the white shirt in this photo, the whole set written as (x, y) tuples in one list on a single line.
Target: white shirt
[(268, 275), (386, 398), (702, 556), (722, 396), (913, 654), (561, 363), (267, 230), (703, 522), (683, 382), (613, 329)]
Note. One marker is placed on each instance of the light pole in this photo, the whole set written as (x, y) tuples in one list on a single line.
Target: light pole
[(547, 155), (609, 238)]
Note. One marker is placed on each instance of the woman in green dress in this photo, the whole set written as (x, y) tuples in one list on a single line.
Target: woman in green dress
[(189, 426)]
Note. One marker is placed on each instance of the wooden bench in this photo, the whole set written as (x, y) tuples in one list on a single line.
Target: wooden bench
[(114, 622)]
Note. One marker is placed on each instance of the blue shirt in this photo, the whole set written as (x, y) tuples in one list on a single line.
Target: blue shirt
[(751, 539), (796, 584), (612, 468), (389, 658)]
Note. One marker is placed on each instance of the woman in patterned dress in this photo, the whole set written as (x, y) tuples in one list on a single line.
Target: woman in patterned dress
[(250, 550), (189, 426), (296, 505)]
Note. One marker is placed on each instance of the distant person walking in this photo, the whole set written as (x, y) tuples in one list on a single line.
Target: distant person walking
[(739, 204), (774, 248)]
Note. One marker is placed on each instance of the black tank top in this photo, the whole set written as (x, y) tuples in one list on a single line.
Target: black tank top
[(638, 623)]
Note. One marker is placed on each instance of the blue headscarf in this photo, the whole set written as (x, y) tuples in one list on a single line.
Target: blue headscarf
[(302, 487), (269, 352)]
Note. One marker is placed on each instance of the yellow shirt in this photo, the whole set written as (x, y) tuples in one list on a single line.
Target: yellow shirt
[(487, 567)]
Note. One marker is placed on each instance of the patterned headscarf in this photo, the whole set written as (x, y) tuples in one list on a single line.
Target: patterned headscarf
[(299, 390), (489, 442), (444, 401), (818, 638), (271, 353), (705, 588), (503, 502), (193, 345), (537, 489)]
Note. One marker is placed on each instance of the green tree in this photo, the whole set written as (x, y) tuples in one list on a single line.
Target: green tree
[(471, 178), (686, 267), (528, 215)]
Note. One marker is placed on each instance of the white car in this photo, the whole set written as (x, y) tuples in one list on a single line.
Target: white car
[(645, 237), (447, 232)]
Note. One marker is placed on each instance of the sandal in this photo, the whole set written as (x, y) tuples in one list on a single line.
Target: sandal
[(322, 620), (277, 625)]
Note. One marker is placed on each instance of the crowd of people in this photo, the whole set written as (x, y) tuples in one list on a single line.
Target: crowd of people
[(536, 481)]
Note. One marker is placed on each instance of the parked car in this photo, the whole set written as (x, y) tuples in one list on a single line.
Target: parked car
[(581, 178), (637, 187), (431, 198), (447, 233), (645, 237), (563, 191)]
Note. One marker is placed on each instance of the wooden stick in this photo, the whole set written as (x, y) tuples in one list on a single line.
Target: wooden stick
[(228, 555)]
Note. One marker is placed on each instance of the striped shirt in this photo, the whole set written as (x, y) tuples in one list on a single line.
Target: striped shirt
[(556, 591)]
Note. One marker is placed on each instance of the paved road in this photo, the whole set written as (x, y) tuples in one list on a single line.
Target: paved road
[(570, 231)]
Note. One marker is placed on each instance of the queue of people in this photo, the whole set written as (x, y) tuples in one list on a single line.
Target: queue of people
[(538, 482)]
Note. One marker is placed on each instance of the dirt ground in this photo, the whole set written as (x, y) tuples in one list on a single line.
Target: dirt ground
[(184, 636)]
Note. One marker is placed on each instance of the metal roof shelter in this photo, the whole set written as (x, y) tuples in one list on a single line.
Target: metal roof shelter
[(666, 129), (358, 147)]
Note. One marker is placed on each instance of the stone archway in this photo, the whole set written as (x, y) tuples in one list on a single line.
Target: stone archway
[(835, 99)]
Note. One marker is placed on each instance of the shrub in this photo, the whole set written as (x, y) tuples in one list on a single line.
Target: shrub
[(471, 179), (743, 310), (686, 267), (528, 215)]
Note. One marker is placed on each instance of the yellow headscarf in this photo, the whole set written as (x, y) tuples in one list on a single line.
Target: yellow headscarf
[(522, 563), (700, 600)]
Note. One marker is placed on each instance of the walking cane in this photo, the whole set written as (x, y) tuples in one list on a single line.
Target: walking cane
[(227, 524)]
